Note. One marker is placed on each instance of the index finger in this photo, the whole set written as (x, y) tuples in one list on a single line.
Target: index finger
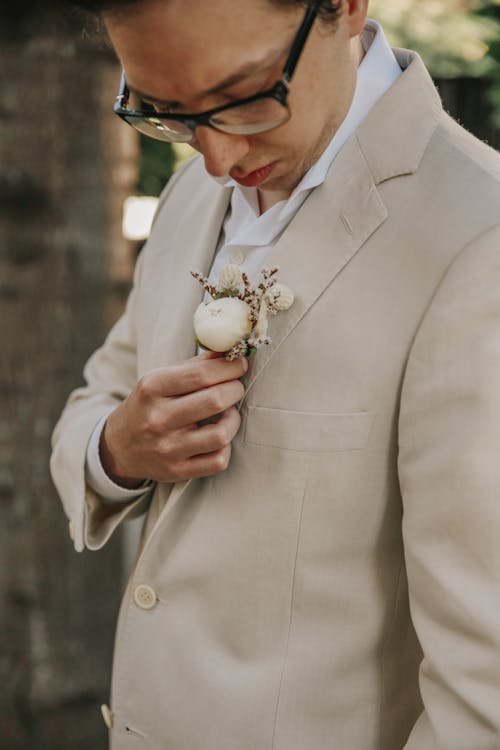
[(195, 374)]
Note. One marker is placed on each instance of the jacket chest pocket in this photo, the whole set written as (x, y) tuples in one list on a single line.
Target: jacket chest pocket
[(314, 432)]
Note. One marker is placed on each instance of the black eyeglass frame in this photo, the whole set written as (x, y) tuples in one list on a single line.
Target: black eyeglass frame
[(279, 91)]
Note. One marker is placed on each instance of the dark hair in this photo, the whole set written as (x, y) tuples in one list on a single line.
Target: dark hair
[(329, 10)]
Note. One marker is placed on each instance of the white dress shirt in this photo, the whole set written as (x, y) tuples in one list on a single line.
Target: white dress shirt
[(248, 236)]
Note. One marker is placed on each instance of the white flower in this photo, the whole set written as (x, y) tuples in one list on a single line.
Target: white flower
[(222, 323), (280, 297), (230, 277), (238, 317)]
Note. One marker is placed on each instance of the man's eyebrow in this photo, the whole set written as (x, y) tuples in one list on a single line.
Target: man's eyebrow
[(236, 77)]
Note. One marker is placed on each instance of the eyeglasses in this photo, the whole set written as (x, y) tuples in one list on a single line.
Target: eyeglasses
[(255, 114)]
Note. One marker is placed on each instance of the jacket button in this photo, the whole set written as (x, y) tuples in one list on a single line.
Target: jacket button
[(107, 716), (144, 596)]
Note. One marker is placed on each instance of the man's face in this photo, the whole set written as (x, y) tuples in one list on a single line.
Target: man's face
[(179, 52)]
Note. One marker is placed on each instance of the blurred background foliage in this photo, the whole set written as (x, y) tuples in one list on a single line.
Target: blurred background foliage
[(455, 38), (157, 161)]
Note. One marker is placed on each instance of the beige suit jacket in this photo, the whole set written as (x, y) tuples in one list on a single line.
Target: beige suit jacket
[(338, 587)]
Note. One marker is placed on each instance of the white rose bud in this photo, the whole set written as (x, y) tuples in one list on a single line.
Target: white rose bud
[(222, 323), (230, 277)]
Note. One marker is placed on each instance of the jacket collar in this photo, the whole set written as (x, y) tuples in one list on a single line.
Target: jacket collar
[(395, 134)]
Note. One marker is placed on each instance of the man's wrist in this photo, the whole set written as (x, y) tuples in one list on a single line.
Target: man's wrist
[(109, 465), (97, 477)]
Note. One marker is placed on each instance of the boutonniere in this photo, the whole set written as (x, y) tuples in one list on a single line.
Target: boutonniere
[(235, 321)]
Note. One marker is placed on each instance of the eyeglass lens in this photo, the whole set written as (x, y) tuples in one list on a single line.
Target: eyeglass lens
[(244, 119)]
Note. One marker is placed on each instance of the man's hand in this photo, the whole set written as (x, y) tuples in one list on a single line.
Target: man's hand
[(156, 432)]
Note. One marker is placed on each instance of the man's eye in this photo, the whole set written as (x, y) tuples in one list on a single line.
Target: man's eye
[(245, 93), (148, 107), (170, 109), (246, 89), (233, 98), (155, 107)]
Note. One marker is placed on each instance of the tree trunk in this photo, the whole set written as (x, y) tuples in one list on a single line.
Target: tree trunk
[(65, 167)]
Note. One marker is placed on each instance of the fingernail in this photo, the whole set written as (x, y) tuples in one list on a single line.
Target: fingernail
[(245, 363)]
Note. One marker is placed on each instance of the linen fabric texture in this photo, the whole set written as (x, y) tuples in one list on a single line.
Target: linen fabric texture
[(338, 585), (247, 237)]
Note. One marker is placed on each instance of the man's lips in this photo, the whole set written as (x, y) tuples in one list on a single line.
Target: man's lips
[(252, 179)]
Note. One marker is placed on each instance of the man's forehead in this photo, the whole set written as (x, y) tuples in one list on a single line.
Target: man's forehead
[(259, 64), (163, 42), (201, 18)]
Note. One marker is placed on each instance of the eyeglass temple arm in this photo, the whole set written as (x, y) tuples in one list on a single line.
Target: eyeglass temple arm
[(299, 41), (123, 93)]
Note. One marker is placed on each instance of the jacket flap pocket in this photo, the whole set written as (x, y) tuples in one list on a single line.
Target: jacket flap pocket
[(307, 431)]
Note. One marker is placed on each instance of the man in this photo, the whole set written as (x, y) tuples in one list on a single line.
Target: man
[(319, 562)]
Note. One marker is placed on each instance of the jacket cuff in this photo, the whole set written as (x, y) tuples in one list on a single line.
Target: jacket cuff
[(97, 478)]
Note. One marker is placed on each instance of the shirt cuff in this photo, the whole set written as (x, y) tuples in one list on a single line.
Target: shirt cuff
[(97, 477)]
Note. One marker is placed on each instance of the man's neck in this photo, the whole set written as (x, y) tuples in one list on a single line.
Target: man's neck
[(269, 198)]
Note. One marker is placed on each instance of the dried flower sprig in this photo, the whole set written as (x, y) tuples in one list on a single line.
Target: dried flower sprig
[(237, 319)]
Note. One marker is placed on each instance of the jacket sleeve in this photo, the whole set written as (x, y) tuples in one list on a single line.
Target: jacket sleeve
[(449, 469), (110, 374)]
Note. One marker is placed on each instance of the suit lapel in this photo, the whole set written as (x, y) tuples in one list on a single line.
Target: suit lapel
[(334, 222), (198, 229), (192, 248)]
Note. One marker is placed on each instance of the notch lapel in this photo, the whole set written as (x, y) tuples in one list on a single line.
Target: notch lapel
[(192, 248), (334, 222), (198, 228)]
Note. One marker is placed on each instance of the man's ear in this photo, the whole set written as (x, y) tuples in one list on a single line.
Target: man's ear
[(355, 12)]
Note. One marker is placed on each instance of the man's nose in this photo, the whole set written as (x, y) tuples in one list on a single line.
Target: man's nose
[(221, 151)]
